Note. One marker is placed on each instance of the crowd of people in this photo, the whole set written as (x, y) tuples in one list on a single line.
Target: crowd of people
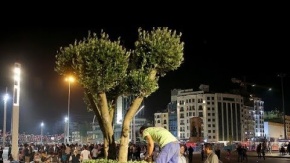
[(55, 153), (172, 150), (33, 138), (157, 138)]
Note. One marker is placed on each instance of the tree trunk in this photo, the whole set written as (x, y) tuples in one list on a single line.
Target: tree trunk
[(106, 122), (124, 143), (109, 147)]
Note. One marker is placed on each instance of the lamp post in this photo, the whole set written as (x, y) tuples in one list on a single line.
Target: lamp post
[(134, 126), (70, 80), (41, 131), (65, 130), (5, 98), (15, 111), (281, 75)]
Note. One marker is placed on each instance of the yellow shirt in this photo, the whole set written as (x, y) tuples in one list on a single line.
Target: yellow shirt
[(160, 135)]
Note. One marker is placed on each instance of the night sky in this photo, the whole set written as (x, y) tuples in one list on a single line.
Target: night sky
[(217, 48)]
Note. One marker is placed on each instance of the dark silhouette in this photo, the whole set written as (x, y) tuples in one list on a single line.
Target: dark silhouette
[(1, 153), (202, 153), (218, 152), (190, 151)]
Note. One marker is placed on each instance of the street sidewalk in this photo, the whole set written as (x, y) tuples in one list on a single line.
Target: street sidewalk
[(273, 154)]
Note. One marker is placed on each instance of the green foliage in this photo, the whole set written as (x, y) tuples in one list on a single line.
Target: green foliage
[(111, 161), (160, 49), (141, 84), (157, 51), (105, 67), (99, 63)]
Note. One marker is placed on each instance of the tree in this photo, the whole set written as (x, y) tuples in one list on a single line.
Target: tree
[(107, 70)]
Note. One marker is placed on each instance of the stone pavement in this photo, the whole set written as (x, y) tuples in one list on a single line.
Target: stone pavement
[(234, 156), (273, 154)]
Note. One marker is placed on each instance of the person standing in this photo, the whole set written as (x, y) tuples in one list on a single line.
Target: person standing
[(218, 152), (75, 157), (95, 152), (259, 150), (190, 152), (270, 147), (240, 153), (182, 157), (211, 156), (202, 153), (85, 154), (264, 148), (169, 145)]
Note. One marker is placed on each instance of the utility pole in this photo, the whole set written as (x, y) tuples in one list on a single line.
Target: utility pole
[(281, 75)]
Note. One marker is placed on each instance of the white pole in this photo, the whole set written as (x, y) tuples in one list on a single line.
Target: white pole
[(15, 115), (65, 130), (68, 105), (69, 79), (4, 119), (41, 132)]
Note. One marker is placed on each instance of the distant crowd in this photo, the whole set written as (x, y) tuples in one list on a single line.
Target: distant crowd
[(33, 138), (57, 153)]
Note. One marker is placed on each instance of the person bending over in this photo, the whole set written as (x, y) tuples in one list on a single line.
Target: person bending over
[(167, 142)]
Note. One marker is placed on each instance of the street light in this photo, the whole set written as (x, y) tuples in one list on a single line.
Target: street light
[(15, 111), (281, 75), (134, 127), (5, 98), (70, 80), (41, 131), (65, 130)]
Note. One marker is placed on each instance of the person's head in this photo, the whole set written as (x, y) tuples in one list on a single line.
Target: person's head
[(142, 129), (182, 149), (208, 147)]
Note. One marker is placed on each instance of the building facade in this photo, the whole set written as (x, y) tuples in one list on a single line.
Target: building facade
[(161, 120), (287, 121), (221, 114), (274, 131), (224, 116), (172, 117)]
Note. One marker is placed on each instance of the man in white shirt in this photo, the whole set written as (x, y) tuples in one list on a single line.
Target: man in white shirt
[(85, 154), (95, 152)]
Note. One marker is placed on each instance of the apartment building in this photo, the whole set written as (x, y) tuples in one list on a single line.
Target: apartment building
[(224, 116), (287, 121), (161, 120)]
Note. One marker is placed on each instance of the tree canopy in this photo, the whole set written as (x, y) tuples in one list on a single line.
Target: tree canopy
[(107, 70)]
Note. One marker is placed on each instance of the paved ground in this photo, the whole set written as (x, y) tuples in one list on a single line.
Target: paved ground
[(275, 157)]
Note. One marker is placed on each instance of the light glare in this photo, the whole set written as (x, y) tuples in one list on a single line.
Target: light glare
[(16, 77), (5, 97), (70, 79), (17, 71)]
